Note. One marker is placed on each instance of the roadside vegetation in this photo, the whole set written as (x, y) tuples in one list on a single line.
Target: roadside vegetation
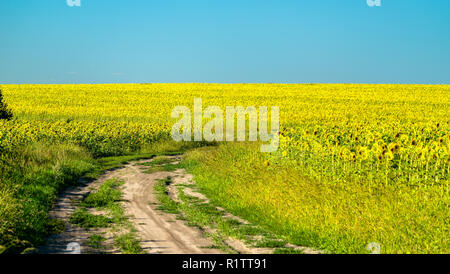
[(337, 218), (30, 181), (96, 242), (216, 224)]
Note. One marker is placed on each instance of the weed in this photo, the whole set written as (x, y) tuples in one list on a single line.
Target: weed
[(55, 226), (270, 243), (107, 194), (167, 204), (128, 243), (96, 241), (83, 218), (288, 250)]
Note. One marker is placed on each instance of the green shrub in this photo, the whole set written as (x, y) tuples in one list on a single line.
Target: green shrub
[(96, 241), (54, 226), (128, 244), (5, 112)]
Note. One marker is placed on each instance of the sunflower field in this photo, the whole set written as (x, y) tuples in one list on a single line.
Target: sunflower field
[(380, 137)]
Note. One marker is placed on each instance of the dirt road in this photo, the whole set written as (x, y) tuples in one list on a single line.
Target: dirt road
[(159, 232)]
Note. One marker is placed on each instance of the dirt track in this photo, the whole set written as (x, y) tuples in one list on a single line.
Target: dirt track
[(159, 232)]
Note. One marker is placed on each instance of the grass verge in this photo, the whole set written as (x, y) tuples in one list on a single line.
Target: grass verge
[(31, 178), (337, 218)]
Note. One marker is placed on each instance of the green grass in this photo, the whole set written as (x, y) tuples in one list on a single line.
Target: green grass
[(168, 167), (159, 160), (167, 204), (107, 194), (55, 226), (128, 243), (96, 241), (271, 243), (287, 250), (82, 218), (332, 217), (31, 178), (161, 163), (106, 197)]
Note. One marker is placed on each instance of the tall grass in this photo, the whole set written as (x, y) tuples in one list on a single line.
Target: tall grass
[(31, 178), (334, 217)]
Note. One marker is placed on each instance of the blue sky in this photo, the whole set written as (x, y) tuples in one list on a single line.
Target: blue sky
[(225, 41)]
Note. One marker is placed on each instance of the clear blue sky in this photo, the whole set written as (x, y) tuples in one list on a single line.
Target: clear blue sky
[(225, 41)]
